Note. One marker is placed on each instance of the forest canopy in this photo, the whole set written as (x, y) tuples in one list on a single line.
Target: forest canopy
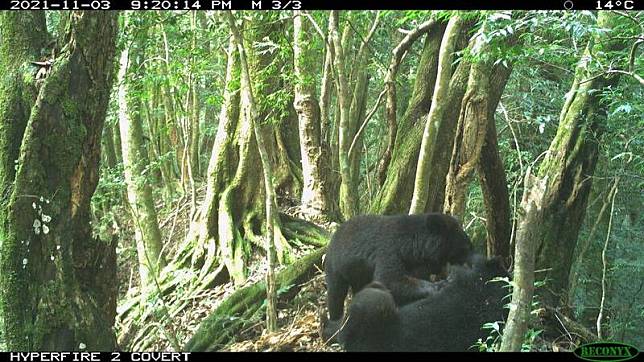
[(170, 180)]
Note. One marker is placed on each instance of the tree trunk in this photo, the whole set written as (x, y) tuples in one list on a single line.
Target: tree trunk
[(360, 80), (395, 194), (347, 199), (328, 130), (436, 113), (204, 227), (314, 195), (25, 34), (390, 83), (492, 177), (556, 198), (195, 109), (568, 167), (470, 134), (272, 230), (234, 208), (147, 234), (57, 282), (523, 278)]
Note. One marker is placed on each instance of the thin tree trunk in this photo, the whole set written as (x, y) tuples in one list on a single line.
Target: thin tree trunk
[(348, 201), (147, 233), (523, 278)]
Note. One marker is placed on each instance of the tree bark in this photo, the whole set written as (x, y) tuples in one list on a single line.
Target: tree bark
[(57, 283), (390, 83), (395, 194), (25, 34), (314, 195), (347, 201), (569, 165), (135, 161), (470, 134), (523, 278), (492, 177), (436, 113), (556, 198)]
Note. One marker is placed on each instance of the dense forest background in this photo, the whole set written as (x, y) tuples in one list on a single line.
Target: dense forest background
[(162, 173)]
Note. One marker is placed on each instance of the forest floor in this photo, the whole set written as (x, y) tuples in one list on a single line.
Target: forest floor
[(298, 320)]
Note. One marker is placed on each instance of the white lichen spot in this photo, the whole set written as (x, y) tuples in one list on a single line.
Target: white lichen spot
[(42, 199), (45, 229), (25, 261), (542, 127), (37, 225), (46, 218), (57, 247), (52, 258), (33, 204), (82, 346)]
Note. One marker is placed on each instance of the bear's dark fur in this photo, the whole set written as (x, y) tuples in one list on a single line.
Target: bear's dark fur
[(449, 319)]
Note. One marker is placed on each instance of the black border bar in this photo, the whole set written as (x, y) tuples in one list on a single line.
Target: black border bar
[(321, 5), (298, 356)]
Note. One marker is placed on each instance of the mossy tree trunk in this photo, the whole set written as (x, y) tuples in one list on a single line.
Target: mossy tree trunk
[(348, 198), (24, 34), (436, 113), (391, 107), (470, 134), (273, 231), (569, 165), (135, 159), (201, 249), (492, 176), (232, 214), (396, 194), (315, 203), (57, 282)]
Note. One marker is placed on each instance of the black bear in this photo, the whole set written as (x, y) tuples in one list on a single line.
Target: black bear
[(449, 319), (393, 250)]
